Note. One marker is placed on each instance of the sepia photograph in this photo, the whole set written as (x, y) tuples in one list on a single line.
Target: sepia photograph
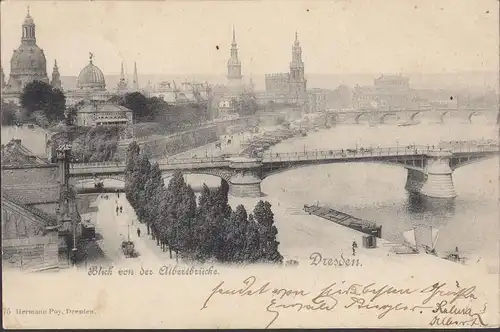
[(250, 164)]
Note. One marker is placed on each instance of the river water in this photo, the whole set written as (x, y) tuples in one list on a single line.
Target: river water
[(376, 192)]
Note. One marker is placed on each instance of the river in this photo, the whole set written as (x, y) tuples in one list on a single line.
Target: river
[(376, 192)]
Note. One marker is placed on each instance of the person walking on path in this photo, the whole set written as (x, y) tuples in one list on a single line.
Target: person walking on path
[(138, 232), (117, 210), (121, 209)]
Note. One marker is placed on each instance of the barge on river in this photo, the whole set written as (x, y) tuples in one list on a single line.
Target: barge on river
[(364, 226)]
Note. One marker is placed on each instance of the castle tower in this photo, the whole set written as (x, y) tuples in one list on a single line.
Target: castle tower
[(298, 82), (135, 82), (56, 77), (122, 86), (234, 66)]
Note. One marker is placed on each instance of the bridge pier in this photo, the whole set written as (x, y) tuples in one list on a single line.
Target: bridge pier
[(245, 181), (435, 181), (439, 182)]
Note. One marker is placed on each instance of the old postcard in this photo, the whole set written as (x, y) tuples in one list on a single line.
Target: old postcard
[(260, 164)]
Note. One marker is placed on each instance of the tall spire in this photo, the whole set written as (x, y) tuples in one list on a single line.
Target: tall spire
[(122, 84), (56, 77), (234, 64), (122, 74), (135, 83)]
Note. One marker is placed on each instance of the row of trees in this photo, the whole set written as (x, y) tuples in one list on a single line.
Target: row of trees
[(206, 230)]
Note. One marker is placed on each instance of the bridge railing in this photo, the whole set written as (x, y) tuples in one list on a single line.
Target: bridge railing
[(100, 164), (315, 155), (345, 153), (371, 152), (195, 160)]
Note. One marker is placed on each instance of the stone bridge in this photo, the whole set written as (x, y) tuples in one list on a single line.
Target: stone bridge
[(429, 170), (468, 115)]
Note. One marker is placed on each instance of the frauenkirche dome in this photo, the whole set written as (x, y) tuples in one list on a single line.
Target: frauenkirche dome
[(91, 77), (28, 63)]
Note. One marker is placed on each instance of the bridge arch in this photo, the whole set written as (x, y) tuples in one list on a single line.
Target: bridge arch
[(222, 174), (414, 115), (415, 166), (386, 115), (442, 116), (361, 115), (458, 162)]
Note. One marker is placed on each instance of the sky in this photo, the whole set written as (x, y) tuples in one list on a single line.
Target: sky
[(337, 37)]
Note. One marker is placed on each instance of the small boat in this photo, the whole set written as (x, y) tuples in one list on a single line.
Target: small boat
[(410, 243), (455, 256), (431, 250)]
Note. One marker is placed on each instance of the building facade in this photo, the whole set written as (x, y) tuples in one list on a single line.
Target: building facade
[(96, 114), (389, 92), (288, 87)]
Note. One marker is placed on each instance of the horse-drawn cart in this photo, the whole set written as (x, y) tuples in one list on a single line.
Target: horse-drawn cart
[(128, 249)]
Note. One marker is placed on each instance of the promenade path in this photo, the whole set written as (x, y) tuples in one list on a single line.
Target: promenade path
[(114, 229)]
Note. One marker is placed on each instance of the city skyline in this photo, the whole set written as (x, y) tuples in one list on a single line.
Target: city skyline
[(337, 37)]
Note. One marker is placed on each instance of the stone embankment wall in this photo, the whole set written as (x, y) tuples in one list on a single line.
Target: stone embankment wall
[(161, 146)]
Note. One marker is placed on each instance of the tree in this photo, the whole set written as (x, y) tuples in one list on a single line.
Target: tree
[(133, 151), (268, 245), (235, 233), (186, 213), (143, 108), (152, 192), (136, 102), (40, 96), (173, 201), (252, 244), (8, 113), (221, 199), (203, 241)]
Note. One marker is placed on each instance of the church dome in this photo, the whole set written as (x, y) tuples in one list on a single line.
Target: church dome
[(28, 62), (91, 77), (29, 59)]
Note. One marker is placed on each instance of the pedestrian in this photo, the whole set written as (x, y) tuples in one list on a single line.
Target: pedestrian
[(138, 232), (117, 210), (121, 209), (354, 246)]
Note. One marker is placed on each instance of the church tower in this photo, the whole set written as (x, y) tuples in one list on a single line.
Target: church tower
[(298, 82), (135, 82), (122, 86), (56, 77), (234, 65)]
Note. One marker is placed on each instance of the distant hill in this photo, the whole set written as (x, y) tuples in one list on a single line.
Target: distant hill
[(474, 81)]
